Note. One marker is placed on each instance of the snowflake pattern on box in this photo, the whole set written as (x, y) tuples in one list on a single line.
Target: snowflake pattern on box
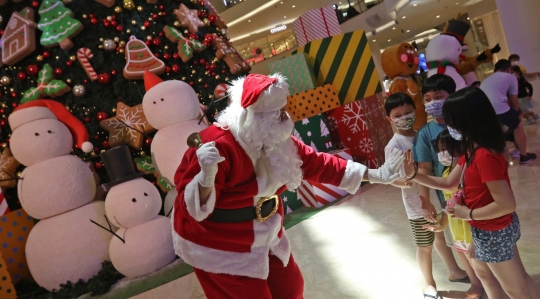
[(361, 126)]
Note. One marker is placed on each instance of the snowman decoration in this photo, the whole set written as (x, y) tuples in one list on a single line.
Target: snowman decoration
[(443, 52), (143, 242), (172, 107), (59, 189)]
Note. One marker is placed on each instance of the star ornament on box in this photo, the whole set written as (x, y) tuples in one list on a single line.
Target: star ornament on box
[(129, 126)]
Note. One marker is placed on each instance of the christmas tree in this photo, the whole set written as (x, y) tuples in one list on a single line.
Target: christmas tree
[(92, 69)]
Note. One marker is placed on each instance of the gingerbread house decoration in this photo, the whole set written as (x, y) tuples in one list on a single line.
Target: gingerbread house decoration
[(19, 36)]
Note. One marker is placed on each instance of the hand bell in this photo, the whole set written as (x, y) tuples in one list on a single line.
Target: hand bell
[(194, 140)]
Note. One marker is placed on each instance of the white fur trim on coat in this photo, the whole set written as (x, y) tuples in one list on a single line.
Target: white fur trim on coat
[(354, 173), (252, 264), (193, 201)]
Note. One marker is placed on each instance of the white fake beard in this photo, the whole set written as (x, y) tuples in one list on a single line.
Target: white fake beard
[(264, 136)]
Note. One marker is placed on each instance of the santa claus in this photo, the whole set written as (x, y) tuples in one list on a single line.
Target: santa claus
[(228, 217)]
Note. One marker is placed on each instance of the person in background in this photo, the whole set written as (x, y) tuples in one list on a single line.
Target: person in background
[(400, 111), (435, 91), (525, 92), (487, 202), (501, 89), (514, 60)]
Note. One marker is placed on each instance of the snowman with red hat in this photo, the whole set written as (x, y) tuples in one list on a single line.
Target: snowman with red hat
[(228, 215), (172, 107), (59, 189), (443, 52)]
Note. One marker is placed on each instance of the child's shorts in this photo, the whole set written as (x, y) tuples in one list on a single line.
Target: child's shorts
[(422, 237), (496, 246)]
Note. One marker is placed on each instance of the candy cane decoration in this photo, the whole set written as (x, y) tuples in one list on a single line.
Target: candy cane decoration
[(83, 55), (220, 91)]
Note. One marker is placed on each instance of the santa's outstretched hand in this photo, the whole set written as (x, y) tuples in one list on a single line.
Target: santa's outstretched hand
[(208, 156), (389, 171)]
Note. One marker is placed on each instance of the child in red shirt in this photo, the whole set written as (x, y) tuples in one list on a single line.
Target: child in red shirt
[(488, 201)]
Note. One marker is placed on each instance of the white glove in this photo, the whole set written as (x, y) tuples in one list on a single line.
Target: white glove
[(389, 171), (208, 156)]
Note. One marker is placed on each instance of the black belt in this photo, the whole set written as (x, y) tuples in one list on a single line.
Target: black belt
[(265, 208)]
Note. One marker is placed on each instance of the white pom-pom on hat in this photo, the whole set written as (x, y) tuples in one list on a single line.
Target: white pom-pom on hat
[(87, 147)]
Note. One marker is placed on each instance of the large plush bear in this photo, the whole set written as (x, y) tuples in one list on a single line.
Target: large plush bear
[(400, 63), (443, 52)]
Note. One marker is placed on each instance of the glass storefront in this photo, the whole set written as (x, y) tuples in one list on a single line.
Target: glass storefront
[(266, 47)]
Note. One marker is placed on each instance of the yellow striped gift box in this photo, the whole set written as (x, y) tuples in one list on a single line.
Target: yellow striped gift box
[(344, 61)]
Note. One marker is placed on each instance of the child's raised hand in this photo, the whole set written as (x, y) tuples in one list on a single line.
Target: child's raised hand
[(433, 227), (408, 164)]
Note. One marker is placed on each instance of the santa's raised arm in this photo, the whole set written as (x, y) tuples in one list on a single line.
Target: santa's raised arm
[(228, 217)]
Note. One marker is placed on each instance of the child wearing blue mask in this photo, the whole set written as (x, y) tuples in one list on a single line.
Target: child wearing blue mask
[(435, 91), (400, 111)]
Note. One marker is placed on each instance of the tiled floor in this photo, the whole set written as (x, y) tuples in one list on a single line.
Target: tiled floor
[(363, 247)]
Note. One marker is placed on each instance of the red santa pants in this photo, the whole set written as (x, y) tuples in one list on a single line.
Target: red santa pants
[(282, 283)]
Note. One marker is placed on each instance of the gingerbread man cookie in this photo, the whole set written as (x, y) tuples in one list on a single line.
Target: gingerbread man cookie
[(139, 59), (186, 46), (226, 52), (8, 168), (188, 18), (19, 39), (127, 127)]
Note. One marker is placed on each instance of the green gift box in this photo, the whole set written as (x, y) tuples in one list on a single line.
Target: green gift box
[(299, 73), (290, 201), (313, 131)]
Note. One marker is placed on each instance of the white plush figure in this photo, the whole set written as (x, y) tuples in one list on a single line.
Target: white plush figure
[(443, 51), (58, 188), (143, 244), (172, 108)]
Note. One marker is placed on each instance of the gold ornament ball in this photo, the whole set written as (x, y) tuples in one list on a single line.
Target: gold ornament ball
[(92, 153), (217, 77), (122, 43), (101, 39), (116, 39), (113, 109), (176, 24), (4, 145), (227, 79), (68, 81), (128, 30), (79, 90), (143, 154), (184, 78), (1, 19), (200, 80), (186, 32), (128, 4), (149, 37), (19, 174), (57, 57), (102, 151), (166, 47), (72, 57), (206, 21), (133, 22), (5, 80), (121, 50), (85, 16), (109, 18), (39, 58), (139, 8), (143, 28), (193, 72), (118, 9)]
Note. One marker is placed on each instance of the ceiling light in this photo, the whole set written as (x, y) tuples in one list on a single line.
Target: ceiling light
[(284, 17), (374, 40), (415, 4), (404, 17), (249, 21), (457, 3), (438, 16), (293, 6), (393, 28), (408, 30), (389, 40), (281, 2), (253, 12), (468, 18)]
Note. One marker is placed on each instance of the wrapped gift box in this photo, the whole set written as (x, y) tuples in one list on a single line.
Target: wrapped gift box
[(316, 24), (7, 290), (299, 73), (313, 101), (290, 201), (314, 132), (313, 194), (14, 230), (361, 126), (344, 61)]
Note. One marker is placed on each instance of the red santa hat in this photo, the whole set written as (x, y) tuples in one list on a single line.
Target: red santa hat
[(260, 93), (151, 80), (48, 109)]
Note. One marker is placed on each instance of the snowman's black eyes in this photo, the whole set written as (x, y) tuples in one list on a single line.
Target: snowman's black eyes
[(145, 194), (154, 102), (49, 131), (134, 200), (37, 134), (162, 99)]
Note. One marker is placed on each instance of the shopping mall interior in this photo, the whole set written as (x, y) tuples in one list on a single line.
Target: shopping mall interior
[(347, 246)]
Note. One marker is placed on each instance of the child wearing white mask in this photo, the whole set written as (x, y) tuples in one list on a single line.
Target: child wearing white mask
[(400, 111)]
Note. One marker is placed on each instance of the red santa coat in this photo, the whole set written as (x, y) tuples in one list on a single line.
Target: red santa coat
[(242, 248)]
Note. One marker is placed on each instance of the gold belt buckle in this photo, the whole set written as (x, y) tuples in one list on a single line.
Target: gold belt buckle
[(258, 207)]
